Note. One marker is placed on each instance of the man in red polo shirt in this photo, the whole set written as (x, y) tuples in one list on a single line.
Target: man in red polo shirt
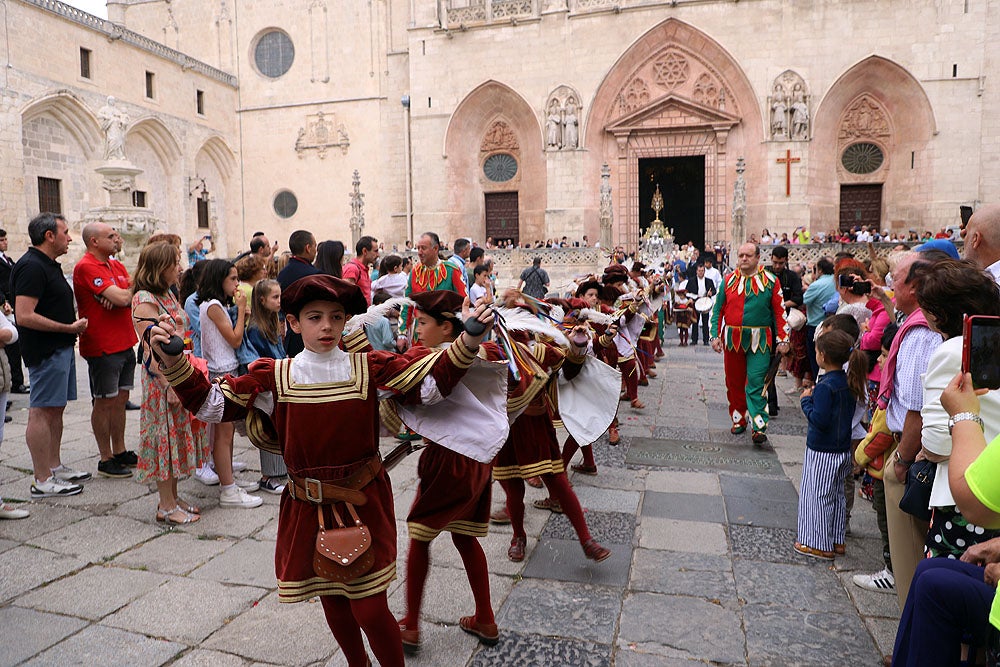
[(359, 269), (101, 286)]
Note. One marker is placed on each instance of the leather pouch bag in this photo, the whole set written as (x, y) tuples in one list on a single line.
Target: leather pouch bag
[(343, 553), (917, 495)]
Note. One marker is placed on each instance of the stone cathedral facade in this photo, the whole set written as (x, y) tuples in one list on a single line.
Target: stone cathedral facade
[(496, 117)]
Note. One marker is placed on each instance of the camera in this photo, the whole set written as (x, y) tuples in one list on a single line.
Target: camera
[(855, 284)]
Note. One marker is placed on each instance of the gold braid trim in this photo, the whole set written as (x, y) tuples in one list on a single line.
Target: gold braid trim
[(230, 395), (370, 584), (390, 418), (526, 471), (414, 374), (461, 354), (179, 372), (355, 342)]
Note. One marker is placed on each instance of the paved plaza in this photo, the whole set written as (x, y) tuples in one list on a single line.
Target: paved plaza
[(701, 525)]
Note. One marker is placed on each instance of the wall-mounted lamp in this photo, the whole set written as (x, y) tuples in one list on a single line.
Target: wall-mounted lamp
[(195, 183)]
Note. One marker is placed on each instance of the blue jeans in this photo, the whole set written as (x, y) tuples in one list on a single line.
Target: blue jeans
[(948, 600)]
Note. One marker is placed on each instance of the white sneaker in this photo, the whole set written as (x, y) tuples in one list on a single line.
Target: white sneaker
[(70, 475), (11, 512), (247, 485), (237, 497), (880, 582), (239, 466), (206, 476), (53, 487)]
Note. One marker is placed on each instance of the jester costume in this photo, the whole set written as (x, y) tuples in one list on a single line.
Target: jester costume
[(441, 276), (750, 320)]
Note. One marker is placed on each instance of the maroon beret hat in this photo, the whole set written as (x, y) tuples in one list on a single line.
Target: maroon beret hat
[(322, 287), (439, 303)]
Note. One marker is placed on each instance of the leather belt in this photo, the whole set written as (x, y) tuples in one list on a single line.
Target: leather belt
[(347, 489)]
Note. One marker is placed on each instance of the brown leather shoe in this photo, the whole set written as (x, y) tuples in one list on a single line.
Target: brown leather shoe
[(594, 551), (411, 640), (613, 436), (516, 551), (548, 504), (839, 549), (487, 632), (584, 469)]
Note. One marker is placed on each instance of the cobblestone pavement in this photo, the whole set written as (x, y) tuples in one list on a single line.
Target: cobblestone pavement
[(701, 525)]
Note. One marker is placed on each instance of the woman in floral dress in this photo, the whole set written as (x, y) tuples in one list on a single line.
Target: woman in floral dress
[(171, 443)]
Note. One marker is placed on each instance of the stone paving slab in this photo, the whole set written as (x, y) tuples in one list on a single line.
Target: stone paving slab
[(24, 568), (758, 488), (563, 560), (98, 538), (771, 514), (629, 657), (606, 500), (447, 596), (28, 632), (531, 650), (688, 536), (92, 593), (556, 609), (803, 587), (766, 544), (781, 636), (608, 478), (44, 519), (673, 481), (174, 552), (304, 640), (678, 573), (684, 506), (705, 455), (247, 562), (184, 610), (694, 628), (609, 527), (203, 658), (108, 647)]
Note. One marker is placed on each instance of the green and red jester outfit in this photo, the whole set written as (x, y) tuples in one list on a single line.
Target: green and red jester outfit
[(750, 320), (443, 276)]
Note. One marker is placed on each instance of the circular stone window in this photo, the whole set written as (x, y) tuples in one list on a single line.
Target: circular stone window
[(500, 167), (274, 54), (285, 204), (862, 158)]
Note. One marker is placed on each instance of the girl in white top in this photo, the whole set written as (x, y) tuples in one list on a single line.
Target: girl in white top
[(220, 338), (391, 277)]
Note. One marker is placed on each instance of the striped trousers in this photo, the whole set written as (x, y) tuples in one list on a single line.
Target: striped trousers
[(822, 505)]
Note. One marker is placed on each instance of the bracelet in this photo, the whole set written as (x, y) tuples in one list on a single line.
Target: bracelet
[(965, 417), (713, 339)]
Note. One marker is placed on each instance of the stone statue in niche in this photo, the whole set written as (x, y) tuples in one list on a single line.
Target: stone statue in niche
[(779, 114), (571, 125), (114, 122), (553, 126), (800, 117)]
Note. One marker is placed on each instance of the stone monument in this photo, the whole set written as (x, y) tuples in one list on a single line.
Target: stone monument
[(357, 210), (607, 212)]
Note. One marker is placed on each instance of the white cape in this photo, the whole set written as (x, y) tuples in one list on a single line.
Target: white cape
[(472, 419), (589, 402)]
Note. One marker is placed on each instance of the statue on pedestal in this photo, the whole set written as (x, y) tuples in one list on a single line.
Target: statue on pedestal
[(114, 122), (571, 129)]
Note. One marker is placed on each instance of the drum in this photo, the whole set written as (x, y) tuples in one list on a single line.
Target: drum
[(704, 304), (796, 319)]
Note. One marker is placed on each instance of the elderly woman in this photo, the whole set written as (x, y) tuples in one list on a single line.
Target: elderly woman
[(950, 598)]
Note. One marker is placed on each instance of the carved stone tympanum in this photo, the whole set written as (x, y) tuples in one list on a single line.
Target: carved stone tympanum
[(499, 137), (320, 133), (865, 118)]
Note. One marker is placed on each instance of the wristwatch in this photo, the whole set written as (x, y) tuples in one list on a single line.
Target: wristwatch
[(900, 459), (964, 417)]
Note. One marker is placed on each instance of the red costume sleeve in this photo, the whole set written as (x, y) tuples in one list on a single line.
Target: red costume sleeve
[(777, 307), (404, 373)]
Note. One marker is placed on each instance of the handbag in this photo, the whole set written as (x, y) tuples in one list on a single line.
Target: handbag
[(343, 553), (917, 495)]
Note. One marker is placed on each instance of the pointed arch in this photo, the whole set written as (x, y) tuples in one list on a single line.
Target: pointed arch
[(160, 138), (221, 155), (465, 150), (905, 136), (70, 112)]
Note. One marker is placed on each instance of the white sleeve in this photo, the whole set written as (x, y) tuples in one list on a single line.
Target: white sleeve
[(941, 369), (211, 410), (429, 392), (5, 323)]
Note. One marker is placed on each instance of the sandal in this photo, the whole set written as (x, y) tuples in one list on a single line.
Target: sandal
[(534, 482), (487, 632), (516, 551), (637, 404), (410, 638), (188, 507), (812, 553), (613, 436), (594, 551), (584, 469), (167, 516), (548, 504)]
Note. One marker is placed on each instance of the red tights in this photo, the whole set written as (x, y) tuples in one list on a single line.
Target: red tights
[(569, 449), (630, 376), (347, 618), (418, 563), (559, 488)]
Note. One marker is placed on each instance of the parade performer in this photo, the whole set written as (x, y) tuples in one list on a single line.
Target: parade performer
[(335, 472), (614, 277), (682, 314), (453, 490), (428, 275), (532, 448), (748, 322)]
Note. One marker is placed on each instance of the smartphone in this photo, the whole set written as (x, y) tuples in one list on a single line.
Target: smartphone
[(981, 350)]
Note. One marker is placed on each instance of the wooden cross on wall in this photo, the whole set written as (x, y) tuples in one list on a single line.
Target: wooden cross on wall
[(787, 161)]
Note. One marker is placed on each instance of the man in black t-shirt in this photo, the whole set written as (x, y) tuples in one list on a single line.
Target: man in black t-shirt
[(534, 280), (47, 327)]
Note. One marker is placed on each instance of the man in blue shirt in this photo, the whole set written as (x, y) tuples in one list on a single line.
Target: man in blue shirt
[(816, 295)]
